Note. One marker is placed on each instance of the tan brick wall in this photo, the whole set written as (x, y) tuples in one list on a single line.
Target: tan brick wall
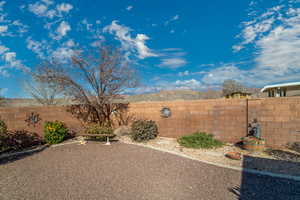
[(225, 118), (15, 117), (279, 119)]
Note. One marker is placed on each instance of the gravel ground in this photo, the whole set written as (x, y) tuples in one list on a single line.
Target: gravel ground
[(123, 171), (251, 160)]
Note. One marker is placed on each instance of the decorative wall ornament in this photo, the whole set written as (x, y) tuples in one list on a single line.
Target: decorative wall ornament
[(165, 112), (33, 119)]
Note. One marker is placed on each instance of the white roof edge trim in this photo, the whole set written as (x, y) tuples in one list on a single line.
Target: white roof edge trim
[(280, 85)]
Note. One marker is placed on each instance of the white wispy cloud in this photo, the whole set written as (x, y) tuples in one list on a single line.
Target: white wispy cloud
[(87, 26), (48, 2), (172, 58), (129, 43), (63, 54), (9, 56), (3, 29), (48, 9), (174, 18), (40, 9), (184, 73), (64, 7), (129, 8), (275, 35), (39, 48), (9, 27), (63, 29), (10, 61), (189, 84), (173, 62), (1, 5), (3, 49)]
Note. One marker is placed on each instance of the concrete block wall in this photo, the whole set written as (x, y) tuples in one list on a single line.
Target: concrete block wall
[(279, 119), (226, 119)]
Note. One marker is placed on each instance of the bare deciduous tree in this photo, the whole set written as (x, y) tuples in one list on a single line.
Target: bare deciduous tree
[(94, 81), (231, 86), (42, 92)]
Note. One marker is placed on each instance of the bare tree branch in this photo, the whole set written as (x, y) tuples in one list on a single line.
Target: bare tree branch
[(93, 80), (42, 92)]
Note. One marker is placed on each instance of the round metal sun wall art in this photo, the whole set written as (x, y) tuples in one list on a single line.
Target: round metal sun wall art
[(165, 112)]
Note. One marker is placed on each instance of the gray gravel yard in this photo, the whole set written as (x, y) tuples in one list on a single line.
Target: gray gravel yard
[(123, 171)]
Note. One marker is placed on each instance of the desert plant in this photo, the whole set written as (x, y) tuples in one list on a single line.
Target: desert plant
[(55, 132), (3, 127), (199, 140), (3, 136), (97, 129), (143, 130), (21, 139), (294, 146)]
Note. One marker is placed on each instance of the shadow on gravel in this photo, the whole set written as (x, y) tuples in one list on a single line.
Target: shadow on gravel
[(20, 155), (265, 187)]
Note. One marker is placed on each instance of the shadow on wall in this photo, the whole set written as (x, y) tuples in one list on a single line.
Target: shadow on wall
[(265, 187)]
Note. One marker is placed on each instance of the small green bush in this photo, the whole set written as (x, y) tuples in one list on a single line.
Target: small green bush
[(3, 127), (3, 136), (100, 130), (199, 141), (143, 130), (55, 132)]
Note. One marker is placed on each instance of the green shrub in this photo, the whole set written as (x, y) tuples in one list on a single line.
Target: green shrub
[(100, 130), (3, 127), (199, 140), (143, 130), (55, 132), (3, 136)]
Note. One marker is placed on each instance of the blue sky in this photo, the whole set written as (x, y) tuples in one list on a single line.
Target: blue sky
[(173, 44)]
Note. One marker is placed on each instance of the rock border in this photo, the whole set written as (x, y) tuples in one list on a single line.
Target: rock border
[(37, 149), (19, 153)]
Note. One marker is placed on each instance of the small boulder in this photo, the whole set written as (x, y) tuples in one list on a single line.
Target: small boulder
[(234, 155)]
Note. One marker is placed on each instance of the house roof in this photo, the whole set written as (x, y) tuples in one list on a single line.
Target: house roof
[(292, 84)]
